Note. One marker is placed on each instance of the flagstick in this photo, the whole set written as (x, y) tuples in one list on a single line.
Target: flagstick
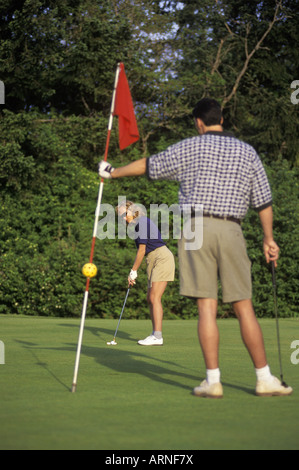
[(97, 214)]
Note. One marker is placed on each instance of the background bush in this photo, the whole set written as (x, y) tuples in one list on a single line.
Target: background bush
[(46, 234), (58, 60)]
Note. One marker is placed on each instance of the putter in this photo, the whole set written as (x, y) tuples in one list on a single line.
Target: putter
[(113, 342), (277, 325)]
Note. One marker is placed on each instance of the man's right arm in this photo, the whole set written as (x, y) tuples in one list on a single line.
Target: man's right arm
[(136, 168)]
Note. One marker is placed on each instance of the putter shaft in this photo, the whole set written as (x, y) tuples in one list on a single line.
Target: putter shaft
[(277, 324), (121, 314)]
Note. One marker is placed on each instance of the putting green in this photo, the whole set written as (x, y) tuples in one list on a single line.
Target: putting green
[(138, 398)]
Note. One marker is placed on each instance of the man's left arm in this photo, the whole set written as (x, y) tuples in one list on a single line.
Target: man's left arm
[(271, 249)]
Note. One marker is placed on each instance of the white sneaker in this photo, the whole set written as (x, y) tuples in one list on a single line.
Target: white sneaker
[(151, 341), (206, 390), (272, 388)]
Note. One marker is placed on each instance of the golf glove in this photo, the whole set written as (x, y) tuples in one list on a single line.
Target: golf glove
[(105, 169), (133, 275)]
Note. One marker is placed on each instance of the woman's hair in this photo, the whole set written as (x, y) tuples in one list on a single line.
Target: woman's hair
[(135, 210)]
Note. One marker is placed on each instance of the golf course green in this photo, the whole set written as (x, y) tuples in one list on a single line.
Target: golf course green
[(139, 398)]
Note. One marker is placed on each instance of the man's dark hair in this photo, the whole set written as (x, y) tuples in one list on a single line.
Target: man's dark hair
[(209, 111)]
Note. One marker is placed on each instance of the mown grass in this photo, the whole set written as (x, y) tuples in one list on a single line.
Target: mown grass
[(134, 398)]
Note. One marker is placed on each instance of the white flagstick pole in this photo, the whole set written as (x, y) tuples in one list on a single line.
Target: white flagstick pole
[(97, 214), (106, 150)]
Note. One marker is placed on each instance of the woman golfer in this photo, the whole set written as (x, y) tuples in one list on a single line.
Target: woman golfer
[(160, 265)]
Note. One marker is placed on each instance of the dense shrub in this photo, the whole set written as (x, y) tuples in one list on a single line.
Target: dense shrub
[(46, 225)]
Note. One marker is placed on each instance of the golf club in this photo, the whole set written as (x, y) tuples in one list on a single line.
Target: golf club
[(113, 342), (277, 325)]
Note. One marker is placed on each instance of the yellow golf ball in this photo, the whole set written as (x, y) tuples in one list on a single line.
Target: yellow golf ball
[(89, 270)]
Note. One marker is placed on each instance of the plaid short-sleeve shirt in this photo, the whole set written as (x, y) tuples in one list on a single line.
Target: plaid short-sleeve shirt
[(216, 170)]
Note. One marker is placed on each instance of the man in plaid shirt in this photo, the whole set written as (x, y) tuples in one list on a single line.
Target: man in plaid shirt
[(225, 177)]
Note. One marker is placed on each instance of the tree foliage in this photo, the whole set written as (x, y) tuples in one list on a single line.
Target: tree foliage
[(58, 60)]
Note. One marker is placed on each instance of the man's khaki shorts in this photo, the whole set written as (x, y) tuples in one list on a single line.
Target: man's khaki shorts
[(223, 255), (160, 266)]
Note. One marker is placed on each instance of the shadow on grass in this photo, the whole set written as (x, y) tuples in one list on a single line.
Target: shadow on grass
[(158, 371), (32, 347), (122, 361)]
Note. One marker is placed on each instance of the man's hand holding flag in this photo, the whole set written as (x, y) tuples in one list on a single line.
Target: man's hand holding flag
[(105, 169)]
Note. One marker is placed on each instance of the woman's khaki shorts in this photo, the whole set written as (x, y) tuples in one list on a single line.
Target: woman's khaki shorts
[(160, 266), (223, 254)]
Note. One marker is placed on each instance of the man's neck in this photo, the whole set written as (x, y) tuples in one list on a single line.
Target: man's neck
[(217, 128)]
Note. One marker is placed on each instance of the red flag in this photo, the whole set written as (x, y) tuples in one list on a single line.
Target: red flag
[(124, 109)]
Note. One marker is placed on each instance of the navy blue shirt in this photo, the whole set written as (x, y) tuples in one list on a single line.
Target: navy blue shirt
[(147, 233)]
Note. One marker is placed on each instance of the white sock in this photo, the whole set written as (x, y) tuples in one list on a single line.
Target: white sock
[(157, 334), (213, 376), (263, 373)]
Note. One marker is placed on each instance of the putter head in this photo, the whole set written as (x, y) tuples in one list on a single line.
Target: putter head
[(112, 343)]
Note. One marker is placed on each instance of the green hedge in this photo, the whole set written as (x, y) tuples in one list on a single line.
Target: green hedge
[(48, 198)]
